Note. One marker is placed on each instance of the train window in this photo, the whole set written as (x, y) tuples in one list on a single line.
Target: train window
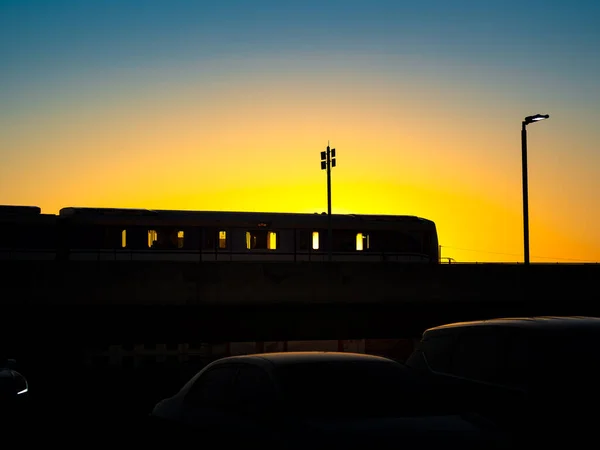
[(272, 241), (302, 239), (315, 240), (344, 241), (222, 239), (165, 239), (124, 238), (261, 240), (417, 238), (251, 240), (76, 237), (362, 241), (152, 238), (209, 239), (400, 242)]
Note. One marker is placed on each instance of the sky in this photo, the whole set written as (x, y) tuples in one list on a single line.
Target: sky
[(227, 105)]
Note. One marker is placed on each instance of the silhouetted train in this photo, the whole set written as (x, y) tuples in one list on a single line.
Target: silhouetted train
[(149, 235)]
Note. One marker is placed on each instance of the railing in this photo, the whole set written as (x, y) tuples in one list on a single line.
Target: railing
[(447, 260), (208, 256), (248, 255)]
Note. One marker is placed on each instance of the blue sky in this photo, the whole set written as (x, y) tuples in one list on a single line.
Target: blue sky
[(535, 46), (59, 37)]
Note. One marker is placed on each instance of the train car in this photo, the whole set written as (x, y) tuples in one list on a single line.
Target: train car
[(27, 234), (150, 235)]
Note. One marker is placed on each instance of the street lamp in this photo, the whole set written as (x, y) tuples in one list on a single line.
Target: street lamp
[(527, 121), (327, 162)]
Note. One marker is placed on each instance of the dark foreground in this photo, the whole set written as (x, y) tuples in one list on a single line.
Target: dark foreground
[(74, 405)]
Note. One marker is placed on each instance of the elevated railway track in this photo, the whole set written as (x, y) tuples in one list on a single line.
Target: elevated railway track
[(169, 302)]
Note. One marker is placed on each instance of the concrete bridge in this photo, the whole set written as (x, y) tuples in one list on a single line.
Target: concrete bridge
[(41, 283), (183, 302)]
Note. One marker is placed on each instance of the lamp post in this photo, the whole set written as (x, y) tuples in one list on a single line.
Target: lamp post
[(327, 162), (527, 121)]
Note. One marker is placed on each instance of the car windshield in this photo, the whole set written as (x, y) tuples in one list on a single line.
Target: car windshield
[(568, 356), (358, 389)]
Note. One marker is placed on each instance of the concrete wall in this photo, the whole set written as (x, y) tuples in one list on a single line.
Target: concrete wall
[(222, 283)]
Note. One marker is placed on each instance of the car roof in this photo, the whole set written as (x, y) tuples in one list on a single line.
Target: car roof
[(541, 323), (288, 358), (270, 361)]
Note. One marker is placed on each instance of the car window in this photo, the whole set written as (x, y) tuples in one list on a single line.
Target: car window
[(516, 372), (438, 352), (213, 389), (565, 360), (481, 357), (356, 389), (254, 391)]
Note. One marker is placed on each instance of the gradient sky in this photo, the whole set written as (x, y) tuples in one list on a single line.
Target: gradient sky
[(226, 106)]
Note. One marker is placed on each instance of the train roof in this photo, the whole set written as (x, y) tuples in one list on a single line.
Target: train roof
[(20, 210), (542, 323), (233, 216), (17, 215)]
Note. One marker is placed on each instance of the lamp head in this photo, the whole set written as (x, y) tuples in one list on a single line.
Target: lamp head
[(535, 118)]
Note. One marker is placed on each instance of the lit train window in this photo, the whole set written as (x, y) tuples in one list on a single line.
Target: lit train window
[(362, 242), (180, 235), (272, 241), (315, 240), (250, 240), (261, 240), (222, 239), (124, 238), (152, 238)]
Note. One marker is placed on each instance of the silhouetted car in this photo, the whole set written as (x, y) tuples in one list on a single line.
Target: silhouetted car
[(13, 390), (316, 399), (521, 373)]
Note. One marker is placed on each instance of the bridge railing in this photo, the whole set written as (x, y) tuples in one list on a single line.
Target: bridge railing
[(447, 260), (249, 255), (208, 256)]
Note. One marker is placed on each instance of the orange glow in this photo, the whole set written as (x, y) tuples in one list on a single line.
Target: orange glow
[(253, 144)]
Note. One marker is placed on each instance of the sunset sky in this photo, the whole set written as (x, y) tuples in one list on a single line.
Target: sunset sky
[(226, 106)]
